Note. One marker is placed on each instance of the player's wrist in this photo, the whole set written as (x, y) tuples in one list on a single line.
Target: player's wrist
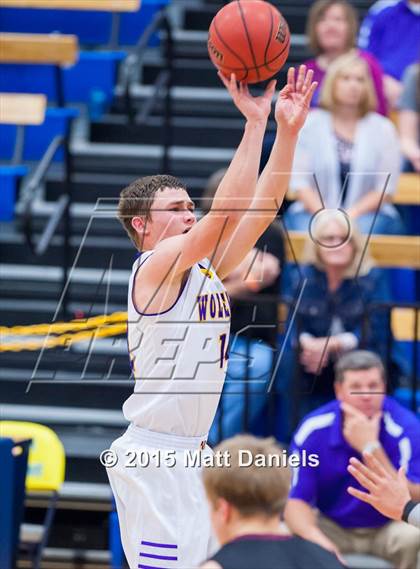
[(256, 123)]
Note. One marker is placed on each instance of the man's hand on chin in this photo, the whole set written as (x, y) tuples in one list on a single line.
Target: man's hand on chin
[(359, 430)]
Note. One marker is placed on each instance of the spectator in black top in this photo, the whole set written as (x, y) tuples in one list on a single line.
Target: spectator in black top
[(246, 503), (253, 331)]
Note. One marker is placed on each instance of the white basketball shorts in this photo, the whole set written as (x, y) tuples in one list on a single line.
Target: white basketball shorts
[(161, 504)]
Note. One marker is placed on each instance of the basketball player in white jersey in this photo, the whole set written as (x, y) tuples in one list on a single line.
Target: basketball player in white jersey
[(178, 328)]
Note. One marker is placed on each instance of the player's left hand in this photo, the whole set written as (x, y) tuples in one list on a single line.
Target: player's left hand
[(294, 99)]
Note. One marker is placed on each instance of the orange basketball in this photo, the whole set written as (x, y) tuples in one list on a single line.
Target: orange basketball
[(249, 38)]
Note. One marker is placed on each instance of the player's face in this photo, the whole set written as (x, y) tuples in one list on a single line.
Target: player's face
[(332, 30), (336, 252), (350, 86), (172, 213), (363, 389)]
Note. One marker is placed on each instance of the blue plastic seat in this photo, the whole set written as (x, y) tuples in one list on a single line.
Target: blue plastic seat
[(133, 24), (37, 138), (93, 71), (91, 27)]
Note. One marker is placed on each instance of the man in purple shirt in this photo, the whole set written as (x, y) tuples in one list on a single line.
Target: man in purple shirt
[(361, 420), (394, 41)]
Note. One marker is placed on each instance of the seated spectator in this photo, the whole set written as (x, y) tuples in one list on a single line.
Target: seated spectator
[(246, 504), (332, 30), (392, 36), (361, 419), (347, 156), (253, 332), (331, 316), (369, 18), (408, 118)]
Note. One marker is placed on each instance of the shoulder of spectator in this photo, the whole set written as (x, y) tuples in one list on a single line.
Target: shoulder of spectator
[(411, 71), (386, 14), (314, 425), (382, 128), (371, 59), (374, 285)]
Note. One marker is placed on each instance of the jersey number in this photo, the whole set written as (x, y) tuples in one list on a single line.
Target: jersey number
[(224, 356)]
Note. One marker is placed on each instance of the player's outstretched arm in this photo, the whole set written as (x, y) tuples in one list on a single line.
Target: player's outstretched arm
[(174, 255), (292, 108)]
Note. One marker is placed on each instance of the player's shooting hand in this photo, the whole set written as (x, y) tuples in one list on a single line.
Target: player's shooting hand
[(358, 429), (294, 99), (386, 493), (253, 108)]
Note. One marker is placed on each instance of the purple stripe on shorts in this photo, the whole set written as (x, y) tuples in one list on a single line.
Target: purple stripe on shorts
[(154, 544), (153, 556), (148, 567)]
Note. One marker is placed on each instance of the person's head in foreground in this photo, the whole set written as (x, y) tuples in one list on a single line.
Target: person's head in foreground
[(154, 208), (348, 85), (360, 381), (246, 503)]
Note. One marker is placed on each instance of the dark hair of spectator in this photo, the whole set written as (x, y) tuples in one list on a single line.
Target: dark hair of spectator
[(356, 361), (317, 12), (137, 199)]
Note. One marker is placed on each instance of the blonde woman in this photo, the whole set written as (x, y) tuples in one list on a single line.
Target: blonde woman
[(347, 155), (331, 315)]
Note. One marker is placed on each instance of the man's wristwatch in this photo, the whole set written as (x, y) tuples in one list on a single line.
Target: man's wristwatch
[(371, 447), (410, 505)]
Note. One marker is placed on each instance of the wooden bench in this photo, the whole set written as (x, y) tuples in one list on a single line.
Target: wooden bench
[(52, 49), (386, 250), (96, 5), (22, 109), (408, 190), (402, 324)]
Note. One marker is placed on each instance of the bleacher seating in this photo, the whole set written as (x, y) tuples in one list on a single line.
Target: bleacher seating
[(21, 111)]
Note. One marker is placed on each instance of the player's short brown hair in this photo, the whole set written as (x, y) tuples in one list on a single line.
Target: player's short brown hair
[(252, 490), (317, 12), (137, 199)]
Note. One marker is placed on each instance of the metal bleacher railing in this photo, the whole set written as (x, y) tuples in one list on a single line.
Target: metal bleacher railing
[(163, 81), (60, 212)]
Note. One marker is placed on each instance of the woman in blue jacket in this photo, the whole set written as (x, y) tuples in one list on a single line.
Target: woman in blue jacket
[(339, 286)]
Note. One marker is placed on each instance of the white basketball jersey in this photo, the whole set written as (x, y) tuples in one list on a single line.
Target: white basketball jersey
[(179, 356)]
